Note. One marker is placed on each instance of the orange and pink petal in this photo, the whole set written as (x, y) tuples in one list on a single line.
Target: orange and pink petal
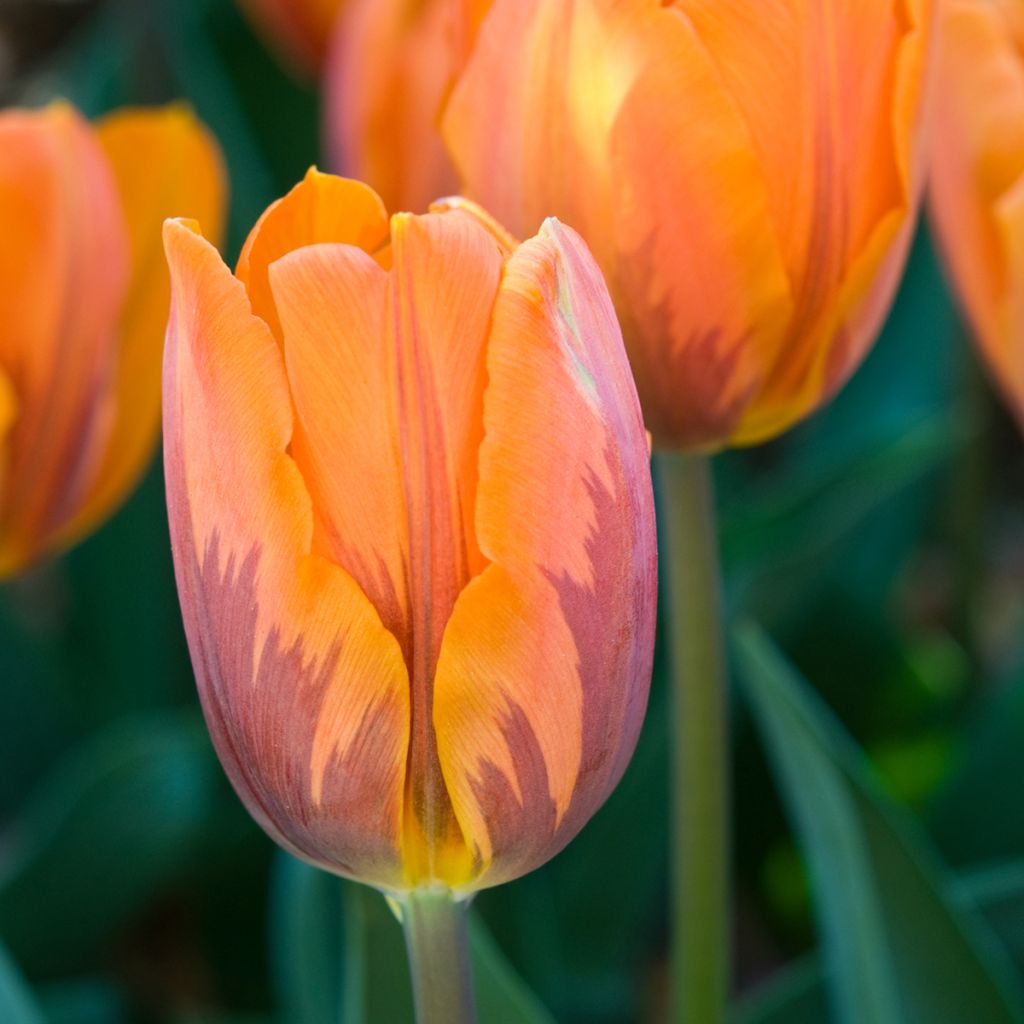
[(305, 691)]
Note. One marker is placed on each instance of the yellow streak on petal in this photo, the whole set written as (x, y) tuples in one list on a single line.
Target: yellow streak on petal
[(507, 645)]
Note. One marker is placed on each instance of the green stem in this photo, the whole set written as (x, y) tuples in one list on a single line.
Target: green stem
[(437, 939), (699, 742)]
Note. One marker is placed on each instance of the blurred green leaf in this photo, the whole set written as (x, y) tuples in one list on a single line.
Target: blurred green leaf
[(979, 814), (797, 994), (117, 820), (502, 996), (82, 1001), (794, 995), (998, 892), (896, 948), (790, 522), (17, 1004), (338, 954)]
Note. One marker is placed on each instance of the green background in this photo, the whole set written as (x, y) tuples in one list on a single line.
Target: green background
[(878, 761)]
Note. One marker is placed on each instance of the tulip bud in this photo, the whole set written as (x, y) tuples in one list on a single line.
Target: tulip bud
[(746, 174), (412, 524), (83, 302), (977, 177)]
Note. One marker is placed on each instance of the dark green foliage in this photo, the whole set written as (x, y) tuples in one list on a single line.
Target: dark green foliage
[(878, 544)]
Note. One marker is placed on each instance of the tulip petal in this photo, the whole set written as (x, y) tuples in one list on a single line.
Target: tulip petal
[(542, 680), (388, 71), (8, 411), (561, 110), (165, 164), (1006, 357), (832, 94), (977, 170), (387, 375), (321, 208), (299, 29), (63, 272), (304, 690)]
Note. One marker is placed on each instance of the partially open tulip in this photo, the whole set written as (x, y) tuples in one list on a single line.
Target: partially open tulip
[(83, 304), (390, 69), (977, 177), (298, 29), (412, 523), (746, 174)]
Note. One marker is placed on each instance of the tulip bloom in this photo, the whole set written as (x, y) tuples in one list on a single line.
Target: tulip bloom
[(300, 29), (412, 524), (391, 66), (83, 303), (746, 173), (977, 177)]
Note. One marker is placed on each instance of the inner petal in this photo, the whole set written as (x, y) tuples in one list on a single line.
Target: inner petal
[(387, 373)]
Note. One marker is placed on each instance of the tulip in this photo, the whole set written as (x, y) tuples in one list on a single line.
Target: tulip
[(299, 29), (390, 68), (746, 175), (977, 177), (83, 303), (412, 525)]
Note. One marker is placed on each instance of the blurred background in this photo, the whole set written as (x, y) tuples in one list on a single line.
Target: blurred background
[(881, 545)]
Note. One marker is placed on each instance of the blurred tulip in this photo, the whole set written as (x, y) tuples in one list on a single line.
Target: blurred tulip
[(977, 177), (83, 303), (746, 174), (391, 66), (299, 29), (412, 522)]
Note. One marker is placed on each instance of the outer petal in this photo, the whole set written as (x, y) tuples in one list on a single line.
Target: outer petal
[(542, 680), (305, 692), (387, 374), (165, 164), (836, 109), (321, 208), (63, 272), (8, 411), (613, 116), (299, 29), (391, 66), (977, 170)]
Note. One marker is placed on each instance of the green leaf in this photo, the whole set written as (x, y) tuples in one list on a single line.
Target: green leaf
[(794, 995), (17, 1004), (501, 993), (797, 993), (338, 954), (116, 821), (82, 1001), (998, 892), (979, 815), (896, 948)]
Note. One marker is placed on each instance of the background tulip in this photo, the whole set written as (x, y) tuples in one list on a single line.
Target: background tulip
[(977, 177), (391, 67), (83, 302), (746, 175), (300, 29), (413, 533)]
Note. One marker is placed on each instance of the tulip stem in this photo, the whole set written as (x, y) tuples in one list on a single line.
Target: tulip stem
[(437, 938), (699, 741)]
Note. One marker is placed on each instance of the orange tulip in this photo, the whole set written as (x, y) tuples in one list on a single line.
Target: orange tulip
[(391, 66), (746, 173), (412, 523), (83, 303), (977, 177), (299, 29)]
